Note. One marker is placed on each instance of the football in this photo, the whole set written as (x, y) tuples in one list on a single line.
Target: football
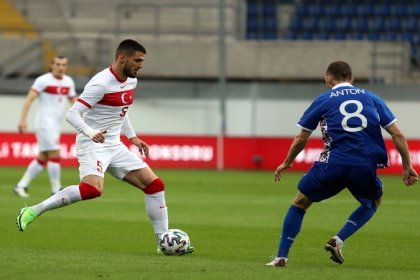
[(174, 242)]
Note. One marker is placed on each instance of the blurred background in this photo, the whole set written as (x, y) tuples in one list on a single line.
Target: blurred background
[(225, 81)]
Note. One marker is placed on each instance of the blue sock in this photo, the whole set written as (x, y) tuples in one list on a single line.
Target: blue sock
[(291, 227), (357, 219)]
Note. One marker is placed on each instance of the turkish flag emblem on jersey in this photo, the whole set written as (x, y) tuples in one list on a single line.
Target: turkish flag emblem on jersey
[(121, 98), (57, 90)]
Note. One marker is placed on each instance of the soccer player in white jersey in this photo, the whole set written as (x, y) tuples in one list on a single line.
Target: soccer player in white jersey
[(52, 89), (351, 120), (99, 116)]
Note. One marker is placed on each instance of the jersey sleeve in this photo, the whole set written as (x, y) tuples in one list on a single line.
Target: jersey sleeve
[(385, 115), (39, 84), (127, 128), (311, 117), (92, 93)]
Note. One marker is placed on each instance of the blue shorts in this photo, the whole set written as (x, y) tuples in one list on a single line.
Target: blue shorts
[(326, 180)]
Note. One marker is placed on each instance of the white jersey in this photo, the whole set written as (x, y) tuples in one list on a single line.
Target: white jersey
[(108, 100), (52, 94)]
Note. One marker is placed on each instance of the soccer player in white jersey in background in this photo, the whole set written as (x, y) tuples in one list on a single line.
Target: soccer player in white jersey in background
[(52, 89), (99, 116)]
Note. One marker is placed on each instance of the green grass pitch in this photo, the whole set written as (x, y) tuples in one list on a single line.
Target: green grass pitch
[(233, 219)]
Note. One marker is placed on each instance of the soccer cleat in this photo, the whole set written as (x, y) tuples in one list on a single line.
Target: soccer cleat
[(22, 192), (159, 251), (26, 216), (335, 247), (277, 261)]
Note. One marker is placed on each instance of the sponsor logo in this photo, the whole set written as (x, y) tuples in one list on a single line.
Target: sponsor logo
[(178, 152)]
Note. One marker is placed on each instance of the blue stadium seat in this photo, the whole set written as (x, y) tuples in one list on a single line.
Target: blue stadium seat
[(393, 23), (296, 24), (339, 35), (270, 23), (317, 9), (302, 10), (411, 23), (349, 10), (415, 10), (365, 9), (322, 35), (253, 24), (327, 24), (333, 10), (306, 35), (252, 8), (382, 10), (310, 24), (290, 35), (343, 24), (373, 36), (355, 35), (271, 35), (376, 24), (389, 36), (360, 24), (400, 9), (270, 10)]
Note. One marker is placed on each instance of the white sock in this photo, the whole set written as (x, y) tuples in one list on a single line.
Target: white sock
[(31, 172), (157, 211), (54, 171), (66, 196)]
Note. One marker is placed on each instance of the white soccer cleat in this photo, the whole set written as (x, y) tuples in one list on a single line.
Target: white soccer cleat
[(277, 262), (20, 192), (335, 247)]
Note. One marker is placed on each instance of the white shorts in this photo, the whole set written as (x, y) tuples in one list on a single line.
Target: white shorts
[(95, 159), (48, 139)]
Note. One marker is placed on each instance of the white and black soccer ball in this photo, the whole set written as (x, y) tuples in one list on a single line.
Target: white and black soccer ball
[(174, 242)]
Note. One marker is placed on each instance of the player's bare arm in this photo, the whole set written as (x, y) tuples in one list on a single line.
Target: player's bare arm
[(298, 144), (410, 175), (31, 96)]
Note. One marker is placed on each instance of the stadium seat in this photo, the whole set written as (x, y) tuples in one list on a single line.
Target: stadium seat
[(349, 10), (365, 9), (400, 9), (392, 23), (360, 24), (415, 10), (382, 10), (333, 10), (376, 23)]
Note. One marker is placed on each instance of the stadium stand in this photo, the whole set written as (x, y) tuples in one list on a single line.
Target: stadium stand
[(86, 31), (383, 20)]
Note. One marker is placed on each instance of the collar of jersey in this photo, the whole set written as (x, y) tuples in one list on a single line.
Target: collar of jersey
[(342, 85)]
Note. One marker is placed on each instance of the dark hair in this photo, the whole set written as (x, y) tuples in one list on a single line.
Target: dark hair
[(128, 47), (340, 71), (58, 57)]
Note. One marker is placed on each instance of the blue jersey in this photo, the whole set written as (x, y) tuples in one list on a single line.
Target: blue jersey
[(350, 119)]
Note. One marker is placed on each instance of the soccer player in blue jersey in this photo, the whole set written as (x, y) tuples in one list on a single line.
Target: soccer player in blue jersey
[(350, 120)]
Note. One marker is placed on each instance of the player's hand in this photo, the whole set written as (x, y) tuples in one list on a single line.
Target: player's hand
[(410, 177), (143, 146), (22, 127), (97, 136), (280, 168)]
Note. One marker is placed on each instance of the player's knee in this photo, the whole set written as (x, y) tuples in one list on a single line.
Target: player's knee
[(155, 186), (88, 191)]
